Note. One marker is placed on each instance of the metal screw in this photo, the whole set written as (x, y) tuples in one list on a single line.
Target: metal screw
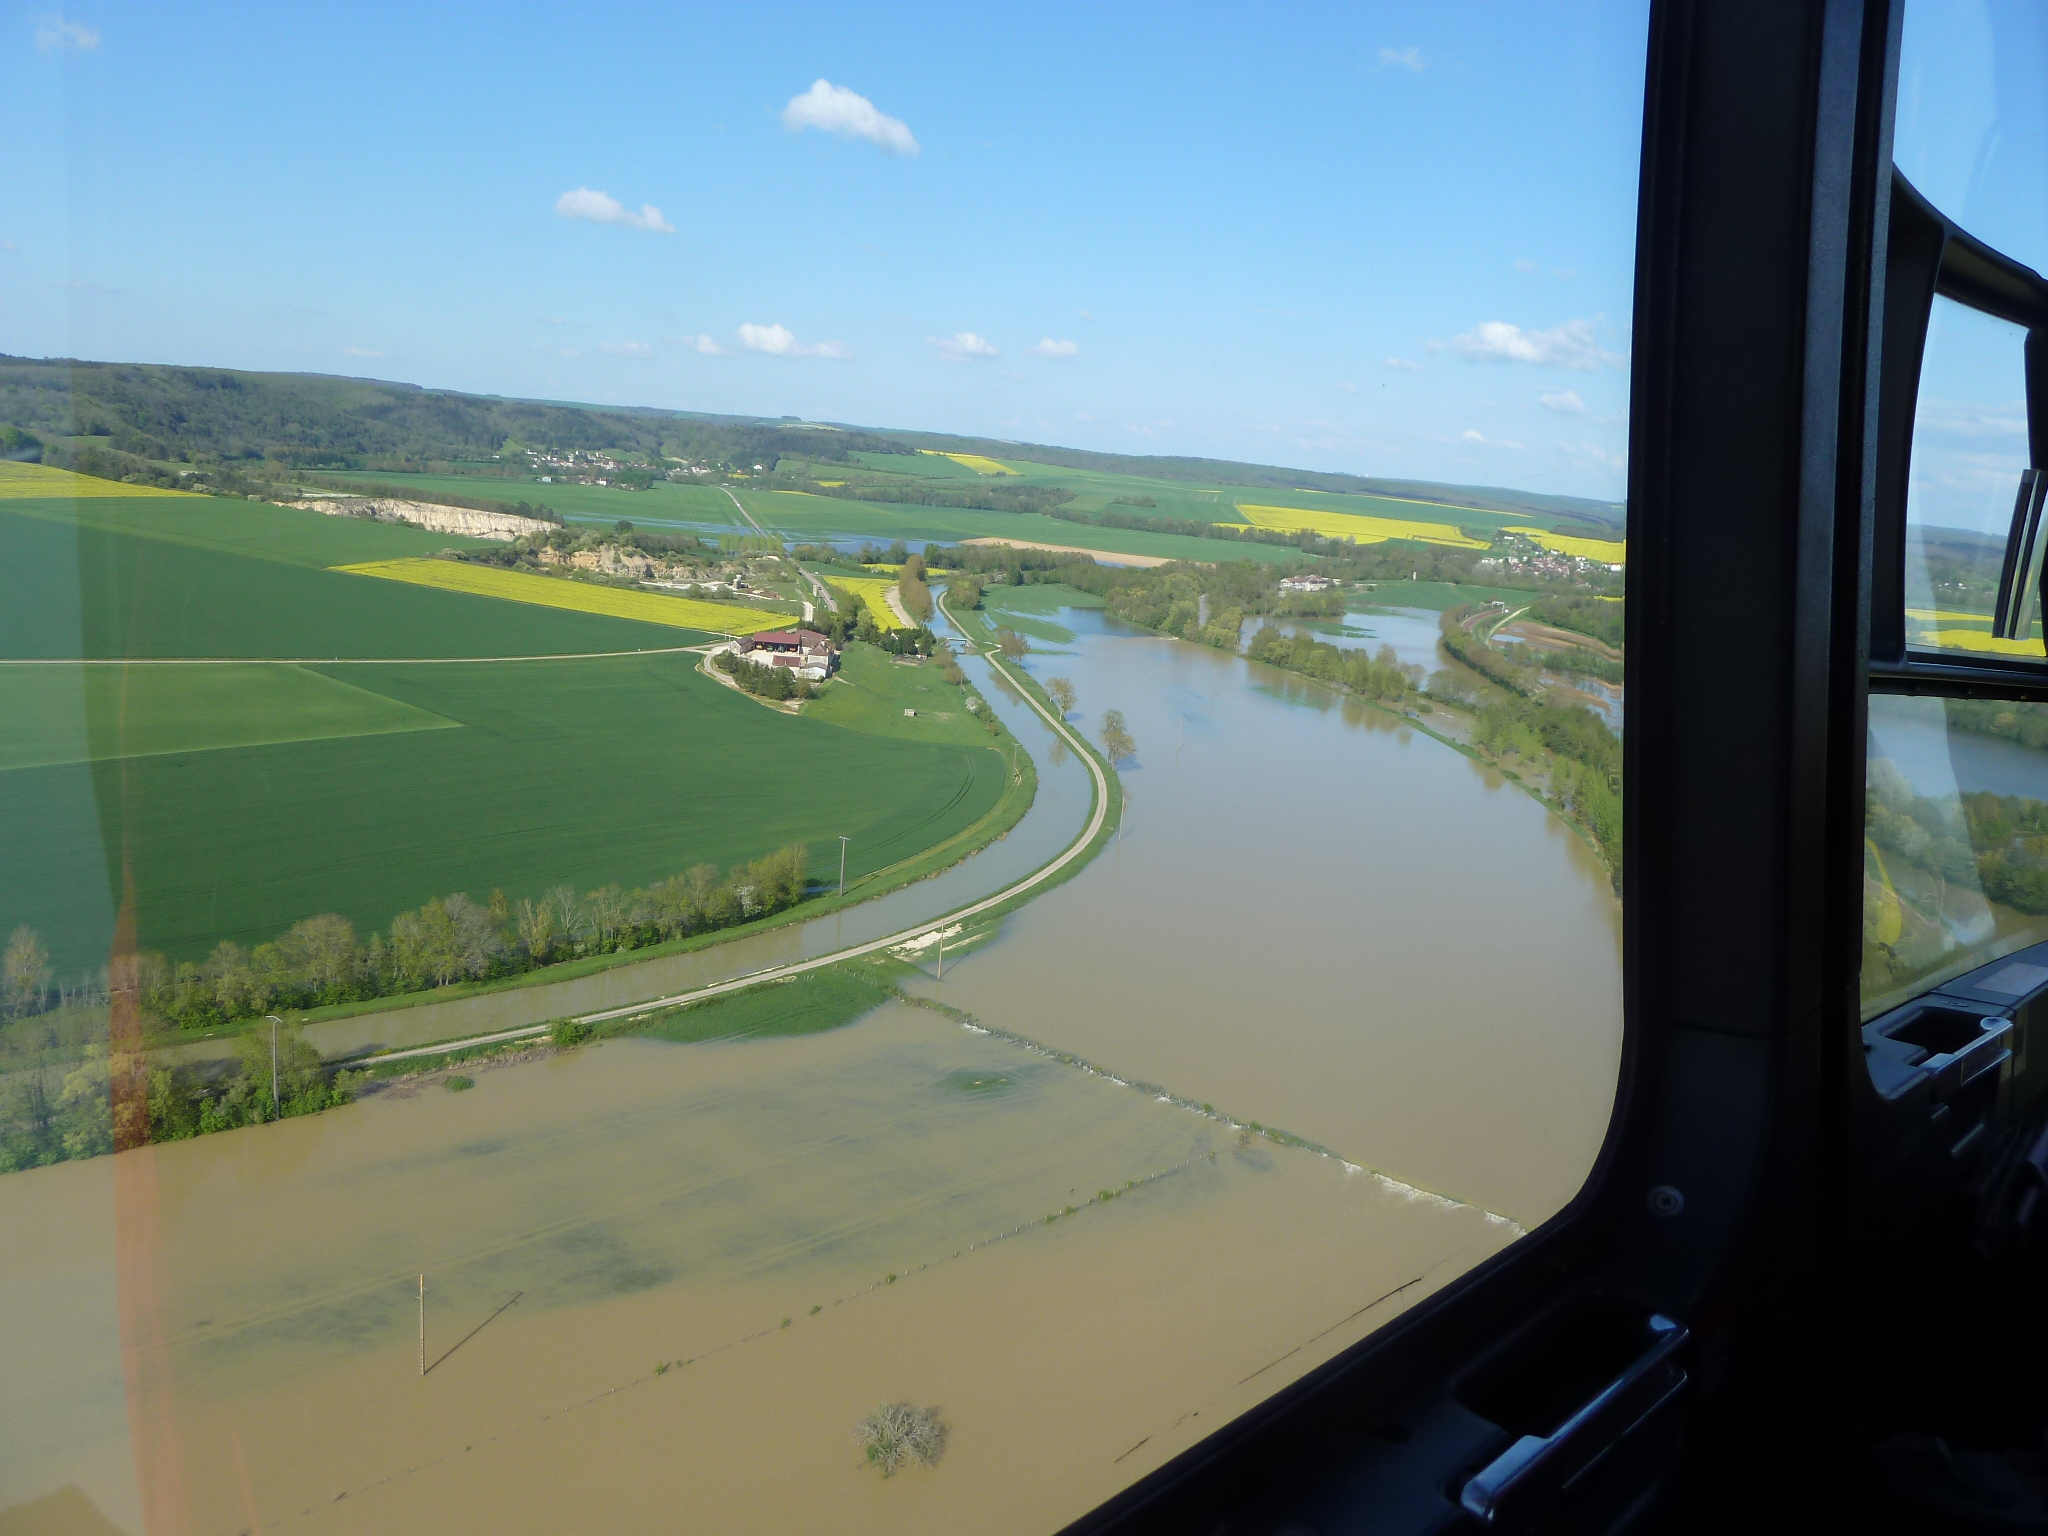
[(1665, 1201)]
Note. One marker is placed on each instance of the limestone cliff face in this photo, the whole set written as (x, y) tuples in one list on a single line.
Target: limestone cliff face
[(503, 526)]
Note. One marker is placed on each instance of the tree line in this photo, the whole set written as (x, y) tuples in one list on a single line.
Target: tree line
[(322, 960)]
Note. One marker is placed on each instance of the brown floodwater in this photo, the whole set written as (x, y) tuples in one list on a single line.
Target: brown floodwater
[(1316, 918)]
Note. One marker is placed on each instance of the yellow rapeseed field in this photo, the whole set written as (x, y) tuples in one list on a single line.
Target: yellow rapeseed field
[(1353, 525), (20, 481), (582, 597), (870, 590), (1979, 640), (1945, 616), (974, 461), (1607, 551)]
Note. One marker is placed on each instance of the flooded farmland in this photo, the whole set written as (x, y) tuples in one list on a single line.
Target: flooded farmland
[(666, 1281)]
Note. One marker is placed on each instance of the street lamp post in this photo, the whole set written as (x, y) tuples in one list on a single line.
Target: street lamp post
[(274, 1021), (842, 863)]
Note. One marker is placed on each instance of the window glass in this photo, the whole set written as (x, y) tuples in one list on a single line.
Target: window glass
[(1969, 463), (1955, 860), (786, 768), (1972, 124)]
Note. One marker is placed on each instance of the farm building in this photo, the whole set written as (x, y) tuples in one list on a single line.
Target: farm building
[(1307, 582), (804, 651)]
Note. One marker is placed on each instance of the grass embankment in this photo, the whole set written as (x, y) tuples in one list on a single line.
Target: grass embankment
[(577, 596)]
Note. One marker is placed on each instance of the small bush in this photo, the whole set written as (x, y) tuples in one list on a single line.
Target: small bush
[(458, 1083), (896, 1433), (568, 1032)]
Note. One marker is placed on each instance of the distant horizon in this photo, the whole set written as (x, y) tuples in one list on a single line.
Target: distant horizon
[(787, 417)]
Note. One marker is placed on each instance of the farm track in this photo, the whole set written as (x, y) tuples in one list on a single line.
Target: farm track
[(1037, 877)]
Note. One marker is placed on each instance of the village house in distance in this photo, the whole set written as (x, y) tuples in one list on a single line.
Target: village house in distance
[(804, 651)]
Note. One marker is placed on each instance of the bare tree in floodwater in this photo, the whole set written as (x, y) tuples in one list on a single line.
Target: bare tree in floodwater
[(899, 1432), (1062, 692)]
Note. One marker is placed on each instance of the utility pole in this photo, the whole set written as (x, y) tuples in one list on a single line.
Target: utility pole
[(842, 863), (942, 954), (274, 1021), (423, 1325)]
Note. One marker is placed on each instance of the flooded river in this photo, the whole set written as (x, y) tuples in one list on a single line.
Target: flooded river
[(664, 1282)]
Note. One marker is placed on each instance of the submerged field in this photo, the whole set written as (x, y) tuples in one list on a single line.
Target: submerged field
[(390, 763)]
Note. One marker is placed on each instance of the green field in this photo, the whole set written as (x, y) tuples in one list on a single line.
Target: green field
[(577, 772), (874, 689), (77, 714), (252, 528), (231, 801), (88, 589)]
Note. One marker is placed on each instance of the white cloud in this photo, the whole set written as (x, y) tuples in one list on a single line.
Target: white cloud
[(568, 352), (1565, 274), (1051, 348), (1087, 314), (700, 343), (1526, 265), (777, 341), (626, 348), (603, 208), (1432, 345), (554, 319), (1404, 58), (360, 352), (962, 347), (1483, 441), (1593, 453), (1958, 419), (1404, 364), (834, 109), (1574, 344), (56, 35), (1348, 389), (1565, 403)]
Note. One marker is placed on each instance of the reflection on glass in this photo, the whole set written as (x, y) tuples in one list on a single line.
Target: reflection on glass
[(1969, 457), (1956, 839)]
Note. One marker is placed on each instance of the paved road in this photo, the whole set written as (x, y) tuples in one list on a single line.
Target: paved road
[(796, 968), (326, 661)]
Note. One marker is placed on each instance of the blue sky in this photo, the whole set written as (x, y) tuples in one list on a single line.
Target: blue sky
[(1394, 240)]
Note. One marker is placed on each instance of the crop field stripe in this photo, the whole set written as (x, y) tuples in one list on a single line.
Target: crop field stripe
[(19, 482), (1609, 551), (1353, 525), (579, 597)]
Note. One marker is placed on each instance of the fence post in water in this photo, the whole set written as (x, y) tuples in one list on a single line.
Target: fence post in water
[(942, 954), (423, 1325)]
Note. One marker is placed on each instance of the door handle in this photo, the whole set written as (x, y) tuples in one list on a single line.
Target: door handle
[(1539, 1467)]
